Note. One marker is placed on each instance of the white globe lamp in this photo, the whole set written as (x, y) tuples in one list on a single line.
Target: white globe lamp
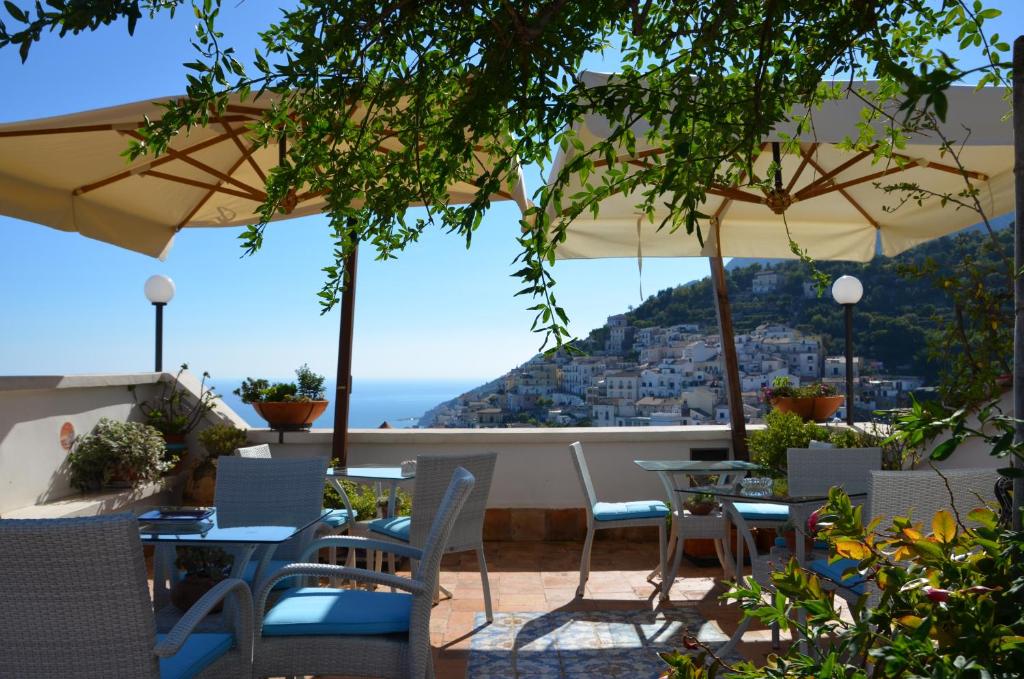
[(159, 291), (847, 291)]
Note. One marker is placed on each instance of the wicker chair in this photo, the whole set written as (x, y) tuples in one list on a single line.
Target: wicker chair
[(356, 632), (332, 521), (95, 618), (433, 473), (253, 492), (603, 515)]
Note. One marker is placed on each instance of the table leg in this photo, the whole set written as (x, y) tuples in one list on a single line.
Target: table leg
[(393, 499)]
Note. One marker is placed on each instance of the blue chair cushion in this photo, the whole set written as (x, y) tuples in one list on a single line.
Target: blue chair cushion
[(762, 511), (317, 611), (198, 652), (834, 572), (335, 518), (397, 527), (637, 509)]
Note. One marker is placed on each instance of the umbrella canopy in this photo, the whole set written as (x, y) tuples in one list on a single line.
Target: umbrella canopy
[(832, 201), (835, 206), (68, 173)]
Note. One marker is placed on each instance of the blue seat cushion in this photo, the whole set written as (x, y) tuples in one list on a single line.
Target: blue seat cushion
[(317, 611), (397, 527), (762, 511), (196, 654), (637, 509), (335, 518), (834, 571)]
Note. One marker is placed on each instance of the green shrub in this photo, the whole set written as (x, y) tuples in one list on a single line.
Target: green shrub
[(222, 439), (131, 450), (788, 430), (363, 498), (310, 387)]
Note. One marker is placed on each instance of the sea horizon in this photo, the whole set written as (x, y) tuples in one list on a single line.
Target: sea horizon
[(399, 402)]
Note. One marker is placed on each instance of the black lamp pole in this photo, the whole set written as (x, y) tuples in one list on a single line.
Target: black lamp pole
[(159, 335), (848, 310)]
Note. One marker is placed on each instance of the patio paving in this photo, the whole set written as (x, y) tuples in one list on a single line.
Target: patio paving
[(619, 620)]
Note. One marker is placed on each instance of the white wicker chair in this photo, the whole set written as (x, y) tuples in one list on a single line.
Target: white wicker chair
[(433, 473), (253, 492), (333, 522), (604, 515), (95, 618), (355, 632)]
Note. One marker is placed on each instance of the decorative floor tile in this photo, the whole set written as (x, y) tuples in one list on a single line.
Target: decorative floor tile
[(571, 645)]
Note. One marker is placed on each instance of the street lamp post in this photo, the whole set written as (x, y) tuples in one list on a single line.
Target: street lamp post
[(847, 291), (159, 291)]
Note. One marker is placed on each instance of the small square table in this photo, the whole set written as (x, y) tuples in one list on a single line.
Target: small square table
[(378, 475), (217, 530), (728, 471)]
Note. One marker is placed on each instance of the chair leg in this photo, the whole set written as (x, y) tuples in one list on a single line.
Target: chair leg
[(485, 582), (666, 583), (585, 561)]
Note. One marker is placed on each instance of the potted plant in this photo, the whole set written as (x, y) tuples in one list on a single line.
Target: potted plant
[(175, 412), (812, 402), (126, 454), (286, 406), (200, 569), (700, 504), (220, 439)]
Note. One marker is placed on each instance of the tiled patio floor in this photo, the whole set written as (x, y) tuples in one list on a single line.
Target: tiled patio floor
[(541, 577)]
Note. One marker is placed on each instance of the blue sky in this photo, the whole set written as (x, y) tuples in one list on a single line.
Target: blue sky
[(74, 305)]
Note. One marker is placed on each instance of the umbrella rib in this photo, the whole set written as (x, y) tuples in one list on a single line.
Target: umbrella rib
[(209, 194), (85, 188), (980, 176), (734, 194), (201, 185), (803, 163), (186, 158), (830, 175), (859, 180), (246, 153), (102, 127), (845, 194)]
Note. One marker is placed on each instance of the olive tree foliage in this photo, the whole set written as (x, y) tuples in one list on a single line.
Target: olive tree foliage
[(449, 78)]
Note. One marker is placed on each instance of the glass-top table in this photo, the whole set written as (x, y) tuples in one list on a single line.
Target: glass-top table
[(696, 466), (735, 493), (219, 529), (378, 475)]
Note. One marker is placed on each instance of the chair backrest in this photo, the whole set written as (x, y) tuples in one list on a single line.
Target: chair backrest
[(275, 492), (433, 475), (74, 601), (580, 462), (261, 451), (920, 494), (427, 569), (813, 471)]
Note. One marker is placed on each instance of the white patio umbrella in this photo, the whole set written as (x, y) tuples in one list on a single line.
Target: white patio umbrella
[(69, 173), (831, 199)]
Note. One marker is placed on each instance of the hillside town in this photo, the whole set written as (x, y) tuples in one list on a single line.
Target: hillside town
[(654, 376)]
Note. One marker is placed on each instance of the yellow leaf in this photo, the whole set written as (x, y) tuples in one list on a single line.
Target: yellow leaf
[(902, 554), (911, 534), (943, 526), (852, 549), (911, 621)]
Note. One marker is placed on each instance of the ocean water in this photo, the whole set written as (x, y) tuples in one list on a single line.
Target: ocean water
[(400, 403)]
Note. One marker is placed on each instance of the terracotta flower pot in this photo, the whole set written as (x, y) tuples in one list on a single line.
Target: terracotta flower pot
[(700, 508), (290, 415), (826, 406), (804, 407)]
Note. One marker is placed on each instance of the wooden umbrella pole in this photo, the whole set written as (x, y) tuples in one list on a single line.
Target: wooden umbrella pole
[(1018, 284), (339, 440), (737, 422)]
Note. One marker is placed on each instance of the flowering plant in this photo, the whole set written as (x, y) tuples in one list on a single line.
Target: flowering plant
[(947, 604), (782, 388)]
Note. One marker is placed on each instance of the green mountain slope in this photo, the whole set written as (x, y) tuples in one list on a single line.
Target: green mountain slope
[(891, 323)]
